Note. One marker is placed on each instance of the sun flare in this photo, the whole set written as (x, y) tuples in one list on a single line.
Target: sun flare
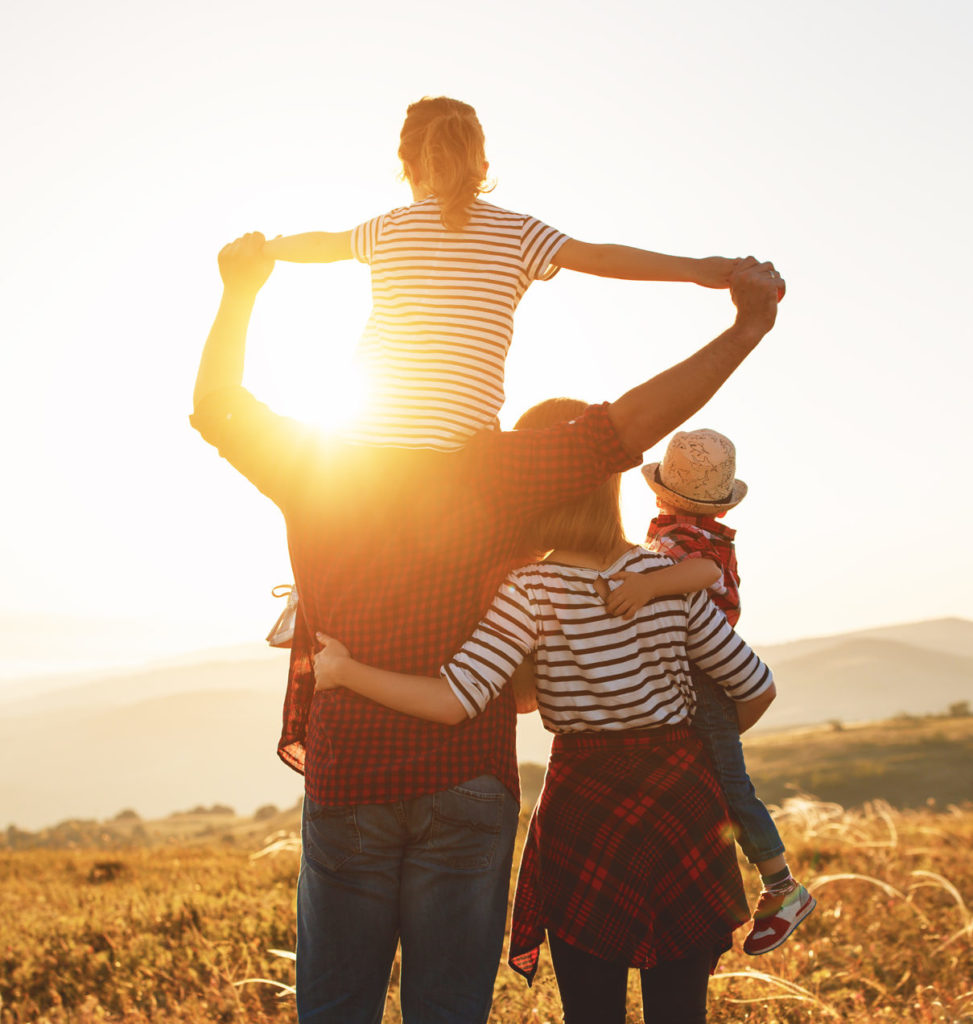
[(329, 402)]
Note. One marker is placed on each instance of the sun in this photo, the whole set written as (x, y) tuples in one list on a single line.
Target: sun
[(328, 398), (301, 355)]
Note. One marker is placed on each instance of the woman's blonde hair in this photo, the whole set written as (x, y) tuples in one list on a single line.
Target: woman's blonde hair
[(442, 147), (592, 523)]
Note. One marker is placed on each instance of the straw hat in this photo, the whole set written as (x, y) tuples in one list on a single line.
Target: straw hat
[(697, 474)]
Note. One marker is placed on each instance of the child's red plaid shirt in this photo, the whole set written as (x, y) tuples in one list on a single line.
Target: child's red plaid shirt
[(397, 554), (684, 536)]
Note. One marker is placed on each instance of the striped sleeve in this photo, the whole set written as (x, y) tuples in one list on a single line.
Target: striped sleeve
[(504, 637), (364, 239), (540, 244), (712, 645)]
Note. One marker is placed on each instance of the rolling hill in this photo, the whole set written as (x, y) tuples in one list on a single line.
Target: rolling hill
[(203, 729)]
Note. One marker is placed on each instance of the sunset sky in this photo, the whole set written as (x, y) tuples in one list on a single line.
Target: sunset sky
[(138, 138)]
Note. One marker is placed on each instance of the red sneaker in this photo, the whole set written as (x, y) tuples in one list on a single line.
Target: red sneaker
[(776, 916)]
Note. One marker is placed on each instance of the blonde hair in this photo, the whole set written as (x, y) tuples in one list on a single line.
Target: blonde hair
[(592, 523), (442, 147)]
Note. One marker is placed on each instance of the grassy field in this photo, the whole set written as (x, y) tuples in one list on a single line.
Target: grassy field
[(175, 932)]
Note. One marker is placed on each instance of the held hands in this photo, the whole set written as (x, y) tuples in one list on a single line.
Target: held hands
[(755, 289), (636, 591), (244, 266), (328, 662), (272, 247), (714, 271)]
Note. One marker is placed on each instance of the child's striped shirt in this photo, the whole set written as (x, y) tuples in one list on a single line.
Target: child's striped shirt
[(442, 319)]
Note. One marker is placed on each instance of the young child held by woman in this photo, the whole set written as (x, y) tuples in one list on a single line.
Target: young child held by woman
[(695, 485)]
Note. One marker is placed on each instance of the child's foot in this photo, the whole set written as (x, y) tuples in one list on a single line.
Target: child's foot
[(776, 916)]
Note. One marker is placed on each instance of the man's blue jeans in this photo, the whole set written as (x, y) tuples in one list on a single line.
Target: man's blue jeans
[(432, 873), (716, 722)]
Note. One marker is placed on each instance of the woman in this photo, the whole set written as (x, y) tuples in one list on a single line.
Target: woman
[(629, 861)]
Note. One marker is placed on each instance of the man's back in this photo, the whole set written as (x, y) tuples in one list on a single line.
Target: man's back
[(399, 553)]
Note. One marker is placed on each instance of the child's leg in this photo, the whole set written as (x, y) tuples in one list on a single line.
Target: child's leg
[(784, 903), (716, 723)]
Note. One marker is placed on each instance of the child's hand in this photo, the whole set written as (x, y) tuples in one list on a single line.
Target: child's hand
[(636, 591), (714, 271), (243, 263), (328, 662), (270, 249)]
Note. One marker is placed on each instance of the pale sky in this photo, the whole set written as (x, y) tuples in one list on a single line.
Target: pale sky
[(138, 138)]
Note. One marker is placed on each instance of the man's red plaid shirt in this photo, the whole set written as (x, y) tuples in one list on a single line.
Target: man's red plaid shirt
[(397, 554), (683, 536)]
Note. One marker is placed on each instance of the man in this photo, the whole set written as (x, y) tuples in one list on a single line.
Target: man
[(409, 825)]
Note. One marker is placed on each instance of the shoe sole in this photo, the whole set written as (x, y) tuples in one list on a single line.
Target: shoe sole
[(799, 921)]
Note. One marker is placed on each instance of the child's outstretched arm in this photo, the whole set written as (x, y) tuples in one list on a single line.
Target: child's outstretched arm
[(639, 588), (311, 247), (630, 264), (420, 696)]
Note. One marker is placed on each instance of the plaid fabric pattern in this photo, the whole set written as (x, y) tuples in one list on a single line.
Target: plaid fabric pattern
[(684, 536), (630, 852), (398, 553)]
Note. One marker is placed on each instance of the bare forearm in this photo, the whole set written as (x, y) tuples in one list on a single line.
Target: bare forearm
[(625, 262), (647, 413), (419, 696), (221, 364), (311, 247), (686, 577), (751, 711)]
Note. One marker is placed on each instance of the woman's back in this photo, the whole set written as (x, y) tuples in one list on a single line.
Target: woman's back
[(596, 671)]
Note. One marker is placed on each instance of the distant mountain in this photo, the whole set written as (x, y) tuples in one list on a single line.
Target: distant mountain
[(945, 636), (917, 668), (204, 730), (863, 678), (155, 755)]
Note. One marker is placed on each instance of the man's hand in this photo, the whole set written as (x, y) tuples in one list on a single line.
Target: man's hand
[(756, 288), (328, 662), (524, 685), (244, 265)]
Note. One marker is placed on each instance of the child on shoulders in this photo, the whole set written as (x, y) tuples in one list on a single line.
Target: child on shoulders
[(448, 272)]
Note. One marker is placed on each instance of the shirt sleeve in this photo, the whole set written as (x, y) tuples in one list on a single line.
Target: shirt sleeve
[(265, 447), (682, 541), (504, 637), (524, 472), (713, 646), (364, 238), (540, 244)]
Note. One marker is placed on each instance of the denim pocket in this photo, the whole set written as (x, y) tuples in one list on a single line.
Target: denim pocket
[(330, 835), (467, 822)]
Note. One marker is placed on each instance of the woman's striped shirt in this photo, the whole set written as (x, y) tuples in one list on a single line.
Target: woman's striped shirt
[(442, 319), (595, 670)]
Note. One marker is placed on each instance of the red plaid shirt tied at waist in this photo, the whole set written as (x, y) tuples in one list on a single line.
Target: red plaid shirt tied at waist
[(398, 553)]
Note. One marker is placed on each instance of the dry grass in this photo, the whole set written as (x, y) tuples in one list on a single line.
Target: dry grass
[(203, 934)]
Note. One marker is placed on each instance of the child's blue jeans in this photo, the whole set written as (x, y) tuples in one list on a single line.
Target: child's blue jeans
[(716, 723)]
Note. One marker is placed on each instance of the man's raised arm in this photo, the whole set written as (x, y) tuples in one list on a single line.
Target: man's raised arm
[(244, 268), (646, 414)]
